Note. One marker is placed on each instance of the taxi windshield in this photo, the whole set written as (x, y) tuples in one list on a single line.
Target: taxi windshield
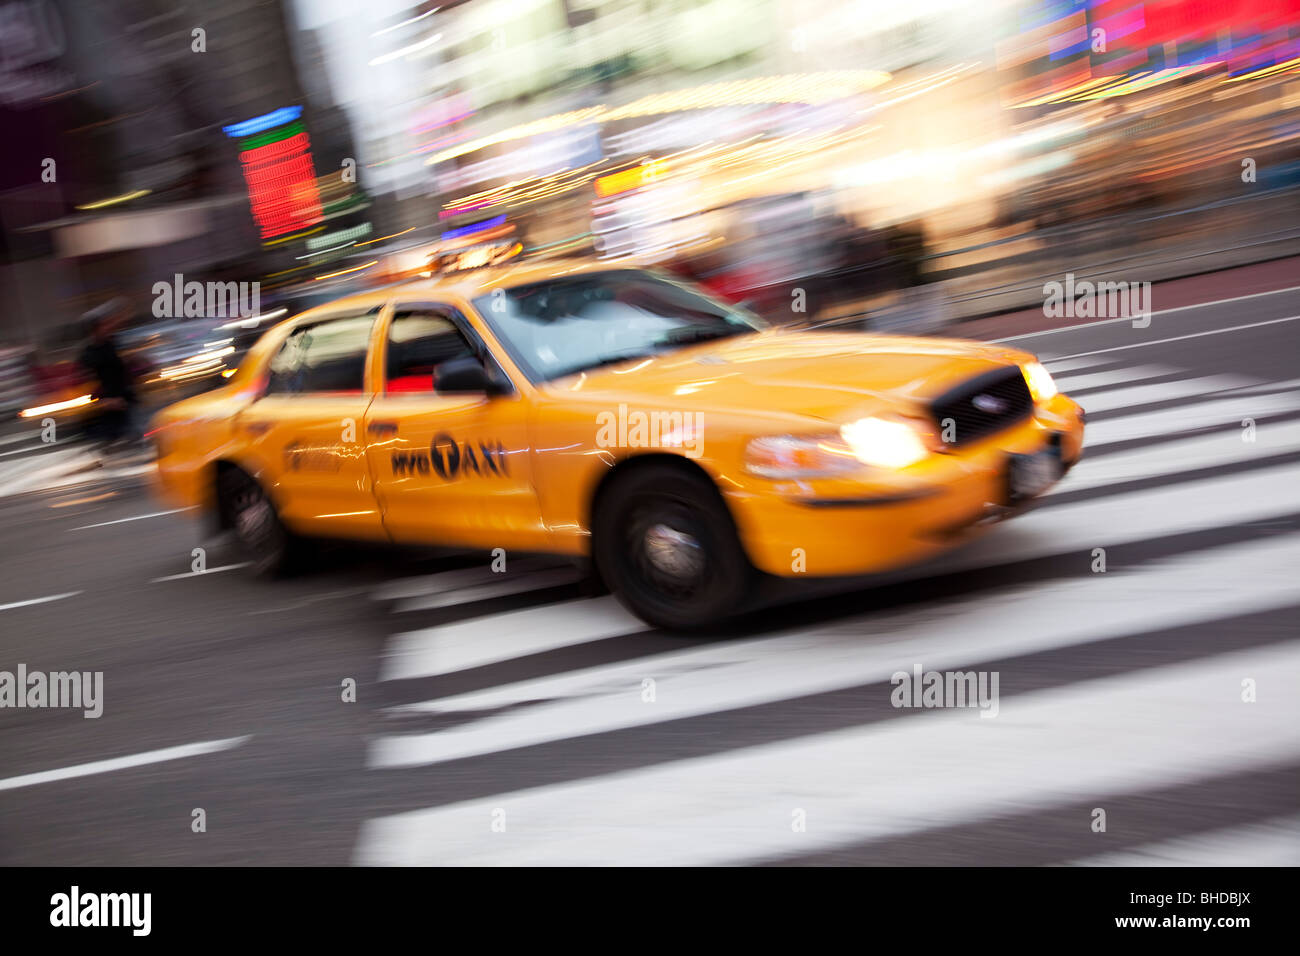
[(566, 325)]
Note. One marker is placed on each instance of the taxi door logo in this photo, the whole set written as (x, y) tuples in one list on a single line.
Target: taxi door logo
[(450, 459)]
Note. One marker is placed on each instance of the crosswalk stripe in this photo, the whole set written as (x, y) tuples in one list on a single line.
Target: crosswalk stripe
[(503, 586), (1171, 458), (1124, 375), (442, 650), (1273, 842), (1228, 412), (1133, 516), (1135, 395), (892, 777), (1076, 364), (38, 471), (734, 803), (710, 678), (441, 581)]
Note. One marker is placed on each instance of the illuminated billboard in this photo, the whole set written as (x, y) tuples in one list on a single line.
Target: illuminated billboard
[(275, 155)]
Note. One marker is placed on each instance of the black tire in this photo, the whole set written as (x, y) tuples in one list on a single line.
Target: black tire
[(665, 543), (248, 511)]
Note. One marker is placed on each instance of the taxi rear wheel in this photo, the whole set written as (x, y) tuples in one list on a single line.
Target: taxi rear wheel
[(248, 511), (666, 544)]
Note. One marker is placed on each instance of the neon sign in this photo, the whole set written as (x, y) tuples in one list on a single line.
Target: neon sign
[(275, 155)]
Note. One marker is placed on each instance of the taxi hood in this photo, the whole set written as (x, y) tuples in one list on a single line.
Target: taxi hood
[(824, 375)]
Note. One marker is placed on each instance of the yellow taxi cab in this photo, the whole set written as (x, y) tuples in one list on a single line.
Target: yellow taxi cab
[(617, 415)]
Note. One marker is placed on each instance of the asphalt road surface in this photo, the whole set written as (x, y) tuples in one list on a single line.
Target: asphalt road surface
[(511, 718)]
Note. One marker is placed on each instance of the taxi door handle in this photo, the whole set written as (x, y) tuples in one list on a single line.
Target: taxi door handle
[(257, 428), (382, 427)]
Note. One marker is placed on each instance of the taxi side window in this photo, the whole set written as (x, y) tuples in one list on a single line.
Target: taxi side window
[(419, 342), (329, 356)]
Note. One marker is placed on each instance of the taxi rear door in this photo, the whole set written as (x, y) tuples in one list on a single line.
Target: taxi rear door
[(303, 437), (451, 463)]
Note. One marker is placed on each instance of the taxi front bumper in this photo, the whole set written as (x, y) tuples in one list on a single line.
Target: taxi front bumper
[(895, 519)]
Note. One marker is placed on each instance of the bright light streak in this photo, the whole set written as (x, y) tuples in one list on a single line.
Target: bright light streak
[(334, 275), (406, 50), (77, 402), (398, 26), (115, 200)]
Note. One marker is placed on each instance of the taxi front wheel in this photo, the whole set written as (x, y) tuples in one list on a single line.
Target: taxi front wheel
[(247, 510), (666, 544)]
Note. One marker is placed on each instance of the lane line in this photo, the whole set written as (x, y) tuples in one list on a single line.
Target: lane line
[(155, 514), (1181, 308), (123, 763), (200, 574), (1177, 338), (39, 600)]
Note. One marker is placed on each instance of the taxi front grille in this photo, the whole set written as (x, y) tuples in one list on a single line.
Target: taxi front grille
[(983, 406)]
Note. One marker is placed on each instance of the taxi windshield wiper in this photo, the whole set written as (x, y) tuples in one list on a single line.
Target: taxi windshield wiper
[(605, 360), (687, 334)]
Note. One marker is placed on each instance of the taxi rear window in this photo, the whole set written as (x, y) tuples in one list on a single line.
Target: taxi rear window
[(328, 356)]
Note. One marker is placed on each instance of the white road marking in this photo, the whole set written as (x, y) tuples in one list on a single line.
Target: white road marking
[(200, 574), (1228, 412), (1274, 842), (123, 763), (804, 661), (1134, 395), (1181, 308), (154, 514), (29, 473), (504, 586), (1132, 516), (1057, 366), (39, 600), (437, 583), (1057, 746), (1126, 375), (1167, 459), (442, 650), (1175, 338)]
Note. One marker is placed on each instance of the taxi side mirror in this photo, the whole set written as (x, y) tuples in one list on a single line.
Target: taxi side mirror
[(463, 375)]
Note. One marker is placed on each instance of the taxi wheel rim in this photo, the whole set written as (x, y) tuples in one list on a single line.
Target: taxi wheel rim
[(666, 550), (253, 517)]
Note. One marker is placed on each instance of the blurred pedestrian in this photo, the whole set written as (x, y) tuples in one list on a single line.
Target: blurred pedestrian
[(111, 423)]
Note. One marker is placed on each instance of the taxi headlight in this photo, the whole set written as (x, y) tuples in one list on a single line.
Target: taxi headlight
[(799, 457), (869, 441), (884, 443), (1039, 380)]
